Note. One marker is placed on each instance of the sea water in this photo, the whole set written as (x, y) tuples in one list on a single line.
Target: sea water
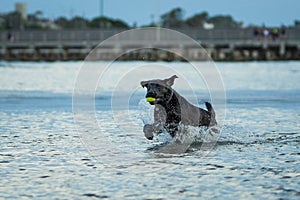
[(47, 154)]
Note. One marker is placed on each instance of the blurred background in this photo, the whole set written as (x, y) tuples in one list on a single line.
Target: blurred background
[(230, 31)]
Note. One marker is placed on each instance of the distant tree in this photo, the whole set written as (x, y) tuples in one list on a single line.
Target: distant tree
[(172, 19), (134, 25), (99, 22), (75, 22), (197, 20), (105, 22), (14, 21), (35, 26), (62, 22), (226, 21), (119, 24), (297, 23), (2, 22), (38, 14), (78, 22)]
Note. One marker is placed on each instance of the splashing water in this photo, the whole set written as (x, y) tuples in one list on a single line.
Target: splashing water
[(185, 136)]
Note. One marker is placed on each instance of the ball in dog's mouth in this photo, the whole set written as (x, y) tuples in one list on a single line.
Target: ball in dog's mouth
[(150, 99)]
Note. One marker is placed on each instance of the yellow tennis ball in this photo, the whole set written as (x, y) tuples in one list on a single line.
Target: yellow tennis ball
[(150, 99)]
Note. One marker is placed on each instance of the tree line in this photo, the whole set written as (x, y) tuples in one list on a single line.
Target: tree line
[(172, 19)]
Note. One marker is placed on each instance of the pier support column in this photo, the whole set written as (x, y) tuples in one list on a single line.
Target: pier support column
[(60, 52), (2, 52), (282, 49)]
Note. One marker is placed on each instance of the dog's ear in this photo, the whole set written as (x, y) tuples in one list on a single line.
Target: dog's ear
[(144, 83), (170, 81)]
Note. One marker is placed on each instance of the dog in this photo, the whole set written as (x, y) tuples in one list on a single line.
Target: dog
[(171, 109)]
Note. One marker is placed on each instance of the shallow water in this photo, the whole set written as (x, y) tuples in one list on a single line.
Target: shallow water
[(44, 156)]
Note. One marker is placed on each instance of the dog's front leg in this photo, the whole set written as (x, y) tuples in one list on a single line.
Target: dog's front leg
[(159, 121), (152, 129)]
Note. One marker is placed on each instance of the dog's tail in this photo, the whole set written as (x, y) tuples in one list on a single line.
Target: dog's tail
[(212, 113)]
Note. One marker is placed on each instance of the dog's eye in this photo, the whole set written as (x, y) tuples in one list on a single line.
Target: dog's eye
[(163, 89)]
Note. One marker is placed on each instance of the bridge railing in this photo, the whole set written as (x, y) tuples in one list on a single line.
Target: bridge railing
[(100, 35)]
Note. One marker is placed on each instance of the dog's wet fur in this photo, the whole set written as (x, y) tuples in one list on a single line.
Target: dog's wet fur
[(171, 109)]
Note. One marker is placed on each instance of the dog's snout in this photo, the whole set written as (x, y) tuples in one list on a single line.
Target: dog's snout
[(150, 93), (150, 138)]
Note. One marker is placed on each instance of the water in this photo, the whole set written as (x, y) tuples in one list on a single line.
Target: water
[(42, 155)]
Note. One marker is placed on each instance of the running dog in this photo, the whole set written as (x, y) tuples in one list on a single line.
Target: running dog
[(171, 109)]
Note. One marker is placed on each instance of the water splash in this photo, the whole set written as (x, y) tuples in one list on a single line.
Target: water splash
[(146, 112), (185, 136)]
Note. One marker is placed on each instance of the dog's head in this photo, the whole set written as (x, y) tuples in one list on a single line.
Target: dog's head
[(159, 91)]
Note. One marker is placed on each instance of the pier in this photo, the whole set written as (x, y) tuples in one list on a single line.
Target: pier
[(220, 44)]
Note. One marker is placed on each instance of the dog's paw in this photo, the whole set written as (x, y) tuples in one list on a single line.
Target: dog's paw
[(148, 131)]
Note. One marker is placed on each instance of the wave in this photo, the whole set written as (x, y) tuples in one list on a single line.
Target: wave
[(61, 76)]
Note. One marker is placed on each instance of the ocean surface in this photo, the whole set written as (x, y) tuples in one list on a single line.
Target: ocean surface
[(50, 148)]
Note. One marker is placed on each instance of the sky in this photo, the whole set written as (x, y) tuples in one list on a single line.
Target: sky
[(143, 12)]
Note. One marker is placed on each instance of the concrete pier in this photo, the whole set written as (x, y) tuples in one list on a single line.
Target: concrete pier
[(220, 44)]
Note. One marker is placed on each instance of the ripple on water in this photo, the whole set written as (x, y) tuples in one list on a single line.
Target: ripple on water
[(256, 157)]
